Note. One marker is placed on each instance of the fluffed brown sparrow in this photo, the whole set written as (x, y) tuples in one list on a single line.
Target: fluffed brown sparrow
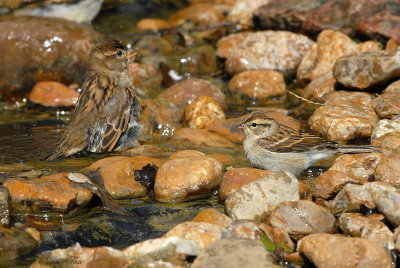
[(106, 117), (269, 145)]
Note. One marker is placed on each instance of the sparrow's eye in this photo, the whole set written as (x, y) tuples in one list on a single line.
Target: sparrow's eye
[(254, 124), (119, 53)]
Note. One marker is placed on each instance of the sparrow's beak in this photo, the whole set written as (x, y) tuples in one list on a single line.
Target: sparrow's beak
[(131, 55), (242, 126)]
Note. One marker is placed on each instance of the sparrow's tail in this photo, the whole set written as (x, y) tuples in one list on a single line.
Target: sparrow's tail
[(358, 149)]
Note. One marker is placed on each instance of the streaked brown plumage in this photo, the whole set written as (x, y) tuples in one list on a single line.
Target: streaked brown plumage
[(272, 146), (106, 117)]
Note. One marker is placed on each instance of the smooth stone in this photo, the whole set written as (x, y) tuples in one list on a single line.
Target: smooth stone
[(211, 215), (228, 43), (319, 88), (307, 65), (203, 14), (202, 233), (194, 137), (146, 79), (272, 50), (388, 143), (259, 198), (55, 192), (186, 153), (185, 178), (257, 87), (153, 24), (350, 198), (242, 12), (367, 69), (203, 112), (329, 250), (331, 182), (14, 242), (53, 94), (234, 253), (84, 257), (387, 105), (235, 178), (42, 49), (228, 128), (160, 117), (5, 207), (368, 227), (185, 91), (302, 218), (386, 126), (254, 230), (171, 251), (350, 98), (387, 169), (342, 123), (118, 174), (387, 200)]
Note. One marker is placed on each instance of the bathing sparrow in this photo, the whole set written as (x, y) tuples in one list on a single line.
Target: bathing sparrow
[(106, 117), (269, 145)]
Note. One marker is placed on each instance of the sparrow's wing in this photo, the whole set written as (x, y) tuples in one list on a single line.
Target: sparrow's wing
[(287, 140)]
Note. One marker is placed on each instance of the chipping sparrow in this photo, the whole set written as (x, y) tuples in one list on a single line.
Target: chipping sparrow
[(269, 145)]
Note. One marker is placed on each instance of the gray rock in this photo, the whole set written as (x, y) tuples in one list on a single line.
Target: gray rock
[(260, 197), (234, 253), (350, 198)]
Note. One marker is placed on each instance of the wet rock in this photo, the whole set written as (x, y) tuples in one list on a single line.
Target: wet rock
[(5, 207), (273, 50), (242, 12), (350, 198), (228, 128), (235, 253), (360, 167), (211, 215), (367, 69), (84, 257), (160, 117), (307, 65), (259, 198), (203, 112), (53, 94), (153, 24), (368, 227), (203, 14), (146, 79), (331, 182), (386, 126), (329, 250), (391, 44), (388, 143), (319, 88), (202, 233), (53, 192), (14, 242), (254, 230), (387, 105), (301, 218), (186, 178), (340, 124), (257, 87), (172, 250), (387, 200), (387, 169), (194, 137), (235, 178), (349, 98), (186, 153), (187, 90), (42, 49), (118, 173), (227, 44)]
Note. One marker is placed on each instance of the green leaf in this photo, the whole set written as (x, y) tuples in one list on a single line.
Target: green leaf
[(284, 247), (268, 244), (228, 168)]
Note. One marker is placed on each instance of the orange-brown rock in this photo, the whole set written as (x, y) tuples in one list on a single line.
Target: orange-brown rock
[(211, 215), (185, 178), (227, 44), (391, 44), (54, 191), (331, 182), (387, 169), (242, 12), (118, 173), (204, 14), (145, 78), (153, 24), (203, 112), (257, 87), (340, 124), (307, 64), (202, 233), (388, 143), (53, 94), (235, 178), (387, 104), (186, 153), (14, 243), (319, 88), (187, 90), (200, 138), (349, 98)]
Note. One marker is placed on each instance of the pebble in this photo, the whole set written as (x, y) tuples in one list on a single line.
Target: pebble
[(53, 94), (211, 215), (203, 112), (194, 137), (387, 105)]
